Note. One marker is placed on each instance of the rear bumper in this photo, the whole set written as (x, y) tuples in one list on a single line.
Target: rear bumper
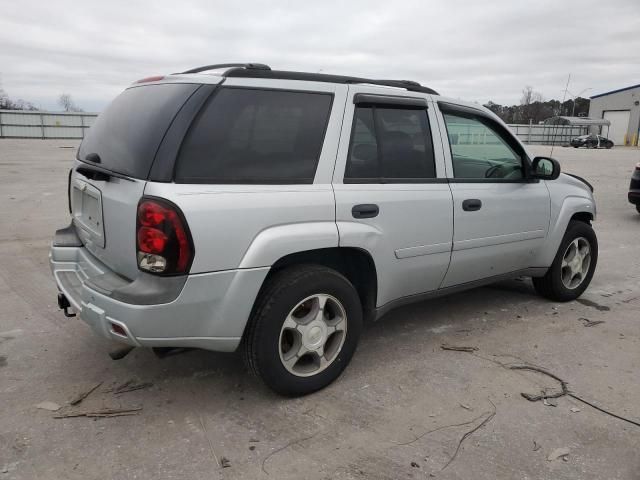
[(208, 310)]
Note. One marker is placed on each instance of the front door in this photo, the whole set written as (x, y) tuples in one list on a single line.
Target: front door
[(501, 217), (392, 196)]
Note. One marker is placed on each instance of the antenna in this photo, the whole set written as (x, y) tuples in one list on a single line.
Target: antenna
[(556, 126)]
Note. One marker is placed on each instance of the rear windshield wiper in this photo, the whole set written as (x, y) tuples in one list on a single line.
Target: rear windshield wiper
[(100, 174)]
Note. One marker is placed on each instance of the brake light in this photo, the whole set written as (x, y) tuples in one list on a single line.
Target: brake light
[(151, 240), (162, 238), (156, 78)]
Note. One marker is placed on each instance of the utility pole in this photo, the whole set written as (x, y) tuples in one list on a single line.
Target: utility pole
[(573, 109)]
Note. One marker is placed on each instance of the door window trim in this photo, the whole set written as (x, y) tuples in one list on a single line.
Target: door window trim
[(499, 130)]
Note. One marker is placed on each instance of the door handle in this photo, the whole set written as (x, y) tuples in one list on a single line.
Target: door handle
[(472, 205), (365, 210)]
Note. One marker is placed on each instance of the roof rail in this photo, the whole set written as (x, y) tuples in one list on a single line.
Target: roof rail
[(260, 70), (249, 66), (323, 77)]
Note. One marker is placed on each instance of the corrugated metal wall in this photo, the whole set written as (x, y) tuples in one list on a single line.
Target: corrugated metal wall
[(26, 124)]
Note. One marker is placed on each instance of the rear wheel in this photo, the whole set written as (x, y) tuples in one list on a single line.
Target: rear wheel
[(304, 329), (573, 267), (608, 145)]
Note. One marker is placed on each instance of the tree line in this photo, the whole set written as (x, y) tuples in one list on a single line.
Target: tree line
[(534, 108), (64, 101)]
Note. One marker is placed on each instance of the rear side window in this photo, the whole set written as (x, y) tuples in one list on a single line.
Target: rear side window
[(127, 134), (255, 136), (390, 145)]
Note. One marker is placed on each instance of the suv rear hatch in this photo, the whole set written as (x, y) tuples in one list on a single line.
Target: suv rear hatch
[(115, 160)]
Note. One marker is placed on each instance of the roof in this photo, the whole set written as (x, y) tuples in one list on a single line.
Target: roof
[(616, 91), (576, 121), (258, 70)]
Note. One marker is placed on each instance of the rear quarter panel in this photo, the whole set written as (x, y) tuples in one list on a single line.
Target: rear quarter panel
[(261, 223)]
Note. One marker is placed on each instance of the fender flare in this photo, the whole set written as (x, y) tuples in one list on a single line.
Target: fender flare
[(558, 226), (273, 243)]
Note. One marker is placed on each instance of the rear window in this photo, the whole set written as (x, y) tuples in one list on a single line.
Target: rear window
[(127, 134), (255, 136)]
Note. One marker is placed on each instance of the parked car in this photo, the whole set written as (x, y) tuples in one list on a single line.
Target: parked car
[(634, 188), (591, 141), (234, 206)]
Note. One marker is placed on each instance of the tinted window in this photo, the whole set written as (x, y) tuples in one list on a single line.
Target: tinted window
[(478, 151), (127, 134), (390, 144), (255, 136)]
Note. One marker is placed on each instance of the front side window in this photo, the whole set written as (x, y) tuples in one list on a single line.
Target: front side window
[(255, 136), (478, 151), (390, 145)]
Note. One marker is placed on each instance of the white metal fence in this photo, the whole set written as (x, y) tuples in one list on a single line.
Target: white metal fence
[(27, 124), (547, 134)]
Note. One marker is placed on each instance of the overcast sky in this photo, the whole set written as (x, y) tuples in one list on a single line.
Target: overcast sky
[(471, 49)]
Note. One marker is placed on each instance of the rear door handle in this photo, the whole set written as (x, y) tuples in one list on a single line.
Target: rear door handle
[(365, 210), (472, 205)]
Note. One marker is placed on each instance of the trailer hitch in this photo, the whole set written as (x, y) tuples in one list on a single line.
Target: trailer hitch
[(63, 304)]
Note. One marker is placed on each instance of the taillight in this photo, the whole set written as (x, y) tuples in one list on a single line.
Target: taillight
[(163, 240)]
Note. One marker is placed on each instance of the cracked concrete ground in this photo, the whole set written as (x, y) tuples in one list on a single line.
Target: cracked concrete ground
[(203, 409)]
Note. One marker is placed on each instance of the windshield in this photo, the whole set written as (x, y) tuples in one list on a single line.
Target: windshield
[(126, 136)]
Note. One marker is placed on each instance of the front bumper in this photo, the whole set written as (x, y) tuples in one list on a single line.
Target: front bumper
[(208, 310)]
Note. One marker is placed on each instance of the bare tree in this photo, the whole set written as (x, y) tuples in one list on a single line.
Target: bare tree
[(6, 103), (529, 96), (67, 103)]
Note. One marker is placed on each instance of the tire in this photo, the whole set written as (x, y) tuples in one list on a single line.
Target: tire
[(638, 208), (609, 145), (576, 146), (289, 292), (552, 285)]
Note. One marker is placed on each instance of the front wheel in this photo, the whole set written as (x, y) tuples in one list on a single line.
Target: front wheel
[(304, 329), (574, 265)]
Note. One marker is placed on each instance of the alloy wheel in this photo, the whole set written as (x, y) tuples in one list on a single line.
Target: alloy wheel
[(312, 335), (575, 263)]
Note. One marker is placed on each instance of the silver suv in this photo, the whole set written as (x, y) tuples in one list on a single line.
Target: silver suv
[(234, 206)]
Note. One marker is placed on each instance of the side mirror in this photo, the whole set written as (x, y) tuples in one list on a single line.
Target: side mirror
[(545, 168)]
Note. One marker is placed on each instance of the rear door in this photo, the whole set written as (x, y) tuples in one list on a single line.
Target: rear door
[(501, 217), (114, 161), (392, 196)]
